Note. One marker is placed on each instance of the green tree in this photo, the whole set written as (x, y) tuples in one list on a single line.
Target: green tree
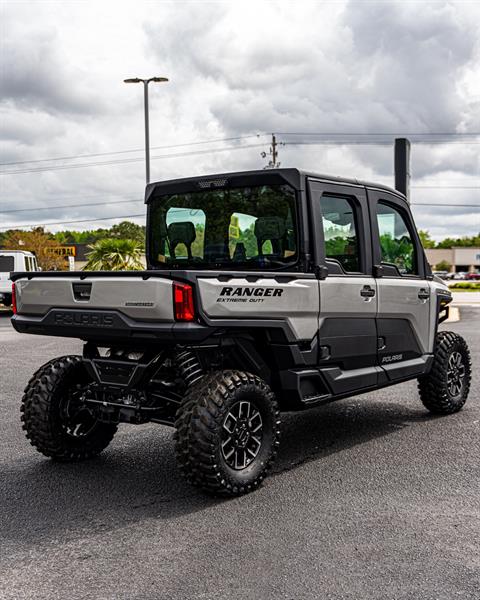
[(81, 237), (128, 231), (397, 251), (463, 242), (425, 238), (443, 265), (249, 241), (112, 254)]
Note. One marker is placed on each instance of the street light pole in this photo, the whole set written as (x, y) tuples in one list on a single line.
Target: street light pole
[(147, 124), (147, 132)]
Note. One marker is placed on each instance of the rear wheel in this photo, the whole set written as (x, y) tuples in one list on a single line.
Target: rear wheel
[(55, 420), (445, 389), (229, 428)]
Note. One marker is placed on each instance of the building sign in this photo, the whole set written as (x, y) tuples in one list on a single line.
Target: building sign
[(61, 250)]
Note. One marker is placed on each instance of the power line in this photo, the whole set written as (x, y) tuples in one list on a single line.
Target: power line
[(377, 143), (215, 150), (74, 157), (128, 160), (3, 212), (445, 187), (68, 222), (80, 196), (399, 133), (61, 196), (227, 139), (5, 227), (446, 205), (86, 205)]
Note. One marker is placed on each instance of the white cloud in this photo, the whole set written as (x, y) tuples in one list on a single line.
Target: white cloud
[(235, 69)]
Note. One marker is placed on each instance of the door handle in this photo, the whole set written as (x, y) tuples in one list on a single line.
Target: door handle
[(367, 292), (423, 294)]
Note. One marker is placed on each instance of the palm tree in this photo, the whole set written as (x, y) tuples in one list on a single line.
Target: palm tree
[(110, 254)]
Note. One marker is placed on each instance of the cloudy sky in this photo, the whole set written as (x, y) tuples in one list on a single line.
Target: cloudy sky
[(238, 71)]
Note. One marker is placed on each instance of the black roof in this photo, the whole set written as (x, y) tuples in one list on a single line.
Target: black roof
[(295, 177)]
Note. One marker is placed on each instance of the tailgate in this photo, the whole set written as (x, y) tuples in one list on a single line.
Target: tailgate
[(135, 297)]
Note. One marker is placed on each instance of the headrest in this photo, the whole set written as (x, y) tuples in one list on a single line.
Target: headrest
[(182, 232), (269, 228)]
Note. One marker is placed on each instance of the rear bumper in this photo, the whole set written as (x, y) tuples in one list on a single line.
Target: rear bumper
[(108, 326)]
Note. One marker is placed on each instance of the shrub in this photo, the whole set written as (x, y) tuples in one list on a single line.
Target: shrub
[(465, 285)]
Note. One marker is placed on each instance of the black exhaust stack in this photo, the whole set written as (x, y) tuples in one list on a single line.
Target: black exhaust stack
[(402, 166)]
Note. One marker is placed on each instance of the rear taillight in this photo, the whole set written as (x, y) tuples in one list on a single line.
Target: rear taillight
[(14, 300), (183, 302)]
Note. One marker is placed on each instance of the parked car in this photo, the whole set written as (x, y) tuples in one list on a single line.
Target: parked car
[(472, 277), (441, 274), (455, 276), (14, 261)]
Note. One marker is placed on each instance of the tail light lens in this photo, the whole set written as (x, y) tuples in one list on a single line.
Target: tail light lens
[(14, 300), (183, 302)]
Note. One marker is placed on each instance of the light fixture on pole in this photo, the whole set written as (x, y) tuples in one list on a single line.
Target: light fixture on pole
[(145, 102)]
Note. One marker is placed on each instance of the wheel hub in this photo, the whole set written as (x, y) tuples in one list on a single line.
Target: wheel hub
[(455, 373), (78, 419), (242, 433)]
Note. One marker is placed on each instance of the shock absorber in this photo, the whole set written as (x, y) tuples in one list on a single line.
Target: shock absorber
[(189, 367)]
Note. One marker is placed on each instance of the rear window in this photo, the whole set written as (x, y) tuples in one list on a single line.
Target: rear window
[(246, 228), (7, 264)]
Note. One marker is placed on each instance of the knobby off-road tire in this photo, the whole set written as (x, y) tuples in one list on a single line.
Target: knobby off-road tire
[(54, 422), (227, 432), (445, 389)]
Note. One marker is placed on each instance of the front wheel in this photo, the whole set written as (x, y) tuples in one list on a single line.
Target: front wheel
[(229, 438), (55, 420), (445, 389)]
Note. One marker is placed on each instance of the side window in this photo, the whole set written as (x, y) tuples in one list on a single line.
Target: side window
[(396, 244), (340, 232), (28, 266)]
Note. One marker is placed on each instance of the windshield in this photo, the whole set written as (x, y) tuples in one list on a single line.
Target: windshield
[(244, 228)]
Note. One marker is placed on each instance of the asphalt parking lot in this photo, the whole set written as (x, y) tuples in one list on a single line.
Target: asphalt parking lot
[(371, 498)]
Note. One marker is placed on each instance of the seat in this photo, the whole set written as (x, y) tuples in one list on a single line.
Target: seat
[(240, 254), (272, 229), (182, 232)]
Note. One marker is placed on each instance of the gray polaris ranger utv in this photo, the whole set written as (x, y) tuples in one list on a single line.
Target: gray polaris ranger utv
[(266, 291)]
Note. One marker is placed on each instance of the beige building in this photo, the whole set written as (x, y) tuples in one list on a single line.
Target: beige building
[(461, 259)]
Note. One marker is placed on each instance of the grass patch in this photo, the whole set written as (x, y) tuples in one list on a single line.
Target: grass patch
[(465, 286)]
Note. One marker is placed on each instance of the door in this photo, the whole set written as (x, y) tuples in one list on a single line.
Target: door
[(403, 319), (348, 299)]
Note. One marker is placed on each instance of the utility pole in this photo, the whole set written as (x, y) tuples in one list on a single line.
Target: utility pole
[(402, 166), (147, 125), (273, 152)]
